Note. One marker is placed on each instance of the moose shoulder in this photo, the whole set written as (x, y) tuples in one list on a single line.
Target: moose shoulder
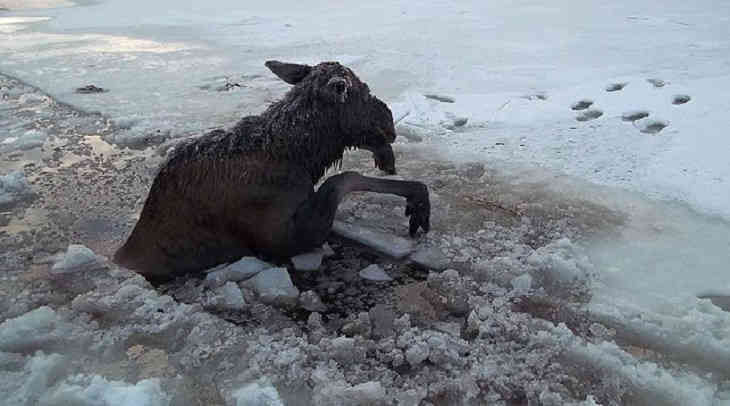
[(250, 190)]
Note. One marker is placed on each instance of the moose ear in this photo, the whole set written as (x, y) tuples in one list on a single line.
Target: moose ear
[(291, 73)]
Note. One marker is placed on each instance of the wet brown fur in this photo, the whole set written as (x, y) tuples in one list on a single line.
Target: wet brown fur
[(234, 193)]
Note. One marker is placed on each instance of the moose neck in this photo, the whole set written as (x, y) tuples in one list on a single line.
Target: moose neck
[(301, 130)]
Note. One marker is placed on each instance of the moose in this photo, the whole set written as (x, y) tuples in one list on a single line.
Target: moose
[(250, 190)]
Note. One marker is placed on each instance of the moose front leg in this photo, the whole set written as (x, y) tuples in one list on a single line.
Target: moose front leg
[(313, 219)]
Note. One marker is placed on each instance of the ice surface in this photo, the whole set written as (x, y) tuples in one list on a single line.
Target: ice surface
[(24, 4), (394, 246)]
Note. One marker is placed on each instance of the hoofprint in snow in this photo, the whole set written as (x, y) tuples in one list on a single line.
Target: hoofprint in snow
[(523, 239)]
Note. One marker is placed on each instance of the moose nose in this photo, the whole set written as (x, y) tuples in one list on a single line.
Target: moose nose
[(339, 86)]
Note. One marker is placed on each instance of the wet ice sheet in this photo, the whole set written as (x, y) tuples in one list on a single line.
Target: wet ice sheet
[(516, 95), (30, 4)]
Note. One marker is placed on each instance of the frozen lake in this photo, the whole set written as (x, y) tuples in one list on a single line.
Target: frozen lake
[(613, 104)]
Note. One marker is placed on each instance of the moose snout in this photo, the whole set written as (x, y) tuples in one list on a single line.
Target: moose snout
[(385, 159)]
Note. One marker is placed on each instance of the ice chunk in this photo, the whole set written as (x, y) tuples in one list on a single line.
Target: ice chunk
[(309, 261), (228, 297), (431, 258), (453, 329), (76, 270), (560, 263), (339, 393), (242, 269), (390, 245), (85, 391), (274, 286), (78, 258), (375, 273), (417, 353), (360, 326), (367, 393), (13, 189), (258, 394), (343, 350), (31, 331), (310, 301), (39, 373), (522, 283), (327, 250)]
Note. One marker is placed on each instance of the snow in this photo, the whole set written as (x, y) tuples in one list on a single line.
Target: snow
[(578, 99)]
